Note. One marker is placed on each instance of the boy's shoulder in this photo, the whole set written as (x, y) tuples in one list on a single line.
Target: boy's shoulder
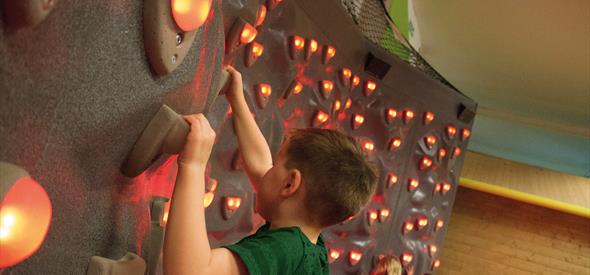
[(284, 249)]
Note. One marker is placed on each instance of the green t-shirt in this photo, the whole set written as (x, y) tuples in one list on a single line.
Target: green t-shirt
[(281, 251)]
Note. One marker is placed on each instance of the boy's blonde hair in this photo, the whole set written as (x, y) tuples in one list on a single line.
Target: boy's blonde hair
[(387, 265), (338, 177)]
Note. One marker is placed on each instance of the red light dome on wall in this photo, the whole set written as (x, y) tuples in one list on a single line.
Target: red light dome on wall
[(25, 215), (190, 14)]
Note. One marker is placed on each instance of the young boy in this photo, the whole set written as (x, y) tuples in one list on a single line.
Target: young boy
[(320, 178)]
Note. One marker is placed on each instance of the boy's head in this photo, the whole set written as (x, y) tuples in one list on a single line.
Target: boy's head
[(334, 171), (387, 265)]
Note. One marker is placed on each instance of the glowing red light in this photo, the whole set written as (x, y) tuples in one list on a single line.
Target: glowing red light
[(446, 187), (442, 152), (248, 34), (426, 162), (25, 215), (358, 120), (422, 222), (233, 203), (457, 152), (327, 85), (313, 45), (265, 89), (190, 14), (298, 87), (356, 80), (413, 184), (430, 140), (260, 15), (354, 257), (395, 143), (390, 115), (334, 255), (391, 179), (347, 103), (436, 263), (321, 118), (298, 42), (439, 224), (383, 214), (369, 146), (373, 215), (451, 130), (257, 49), (408, 115), (465, 134), (437, 187), (370, 86), (428, 117), (331, 52), (408, 226), (346, 73), (336, 106), (407, 258)]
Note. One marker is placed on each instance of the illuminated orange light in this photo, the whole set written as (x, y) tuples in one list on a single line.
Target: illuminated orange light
[(432, 248), (208, 199), (165, 213), (321, 117), (408, 115), (407, 258), (248, 34), (298, 42), (422, 222), (430, 140), (373, 215), (369, 146), (265, 89), (465, 134), (413, 184), (451, 130), (390, 115), (408, 226), (190, 14), (327, 85), (446, 187), (439, 224), (331, 52), (348, 103), (358, 121), (425, 163), (428, 117), (442, 152), (395, 143), (346, 73), (457, 152), (370, 86), (233, 203), (337, 105), (298, 88), (437, 187), (391, 179), (260, 15), (354, 257), (356, 80), (436, 263), (334, 255), (313, 45), (25, 216), (383, 214), (257, 49)]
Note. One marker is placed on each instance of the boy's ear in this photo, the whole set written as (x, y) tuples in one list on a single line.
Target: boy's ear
[(292, 182)]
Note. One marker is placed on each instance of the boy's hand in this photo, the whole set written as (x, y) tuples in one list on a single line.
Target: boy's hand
[(199, 142), (235, 91)]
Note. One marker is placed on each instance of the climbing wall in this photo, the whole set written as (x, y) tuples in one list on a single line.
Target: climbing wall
[(77, 90)]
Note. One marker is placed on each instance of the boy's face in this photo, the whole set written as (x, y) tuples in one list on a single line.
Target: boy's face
[(268, 197)]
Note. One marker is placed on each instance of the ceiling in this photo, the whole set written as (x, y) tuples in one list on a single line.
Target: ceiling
[(527, 64)]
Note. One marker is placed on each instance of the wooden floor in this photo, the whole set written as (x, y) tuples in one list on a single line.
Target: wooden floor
[(529, 179), (488, 234)]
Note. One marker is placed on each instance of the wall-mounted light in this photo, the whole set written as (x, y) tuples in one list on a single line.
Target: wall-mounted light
[(390, 115), (407, 258), (319, 118), (345, 75), (253, 51), (372, 216), (432, 249), (329, 53), (333, 255), (430, 141), (446, 187), (355, 81), (190, 14), (413, 184), (326, 87), (336, 106), (391, 179), (369, 146), (425, 163), (263, 92), (25, 215), (407, 227), (465, 134), (428, 117), (439, 224), (347, 103), (311, 46), (230, 206), (456, 152), (395, 143), (442, 152), (435, 263), (451, 131), (370, 87), (294, 88), (260, 15), (354, 257), (408, 115), (357, 121), (421, 222), (240, 33), (383, 214)]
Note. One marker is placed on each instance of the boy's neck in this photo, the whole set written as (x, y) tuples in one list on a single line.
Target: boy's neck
[(311, 232)]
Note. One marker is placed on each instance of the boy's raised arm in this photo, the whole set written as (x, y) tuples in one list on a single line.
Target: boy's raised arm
[(253, 146), (186, 247)]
